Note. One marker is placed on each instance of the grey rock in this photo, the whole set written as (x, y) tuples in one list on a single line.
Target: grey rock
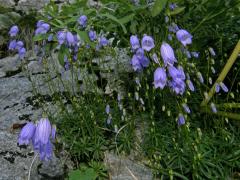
[(122, 168)]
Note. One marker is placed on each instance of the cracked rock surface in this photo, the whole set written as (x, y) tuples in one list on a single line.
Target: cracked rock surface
[(19, 105)]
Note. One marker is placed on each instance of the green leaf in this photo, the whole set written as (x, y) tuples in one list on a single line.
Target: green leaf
[(158, 7), (40, 37), (126, 19), (176, 11), (64, 51), (116, 20), (84, 36), (88, 174)]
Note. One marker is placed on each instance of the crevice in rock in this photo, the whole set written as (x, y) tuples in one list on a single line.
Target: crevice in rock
[(24, 117), (12, 73), (7, 107), (10, 155)]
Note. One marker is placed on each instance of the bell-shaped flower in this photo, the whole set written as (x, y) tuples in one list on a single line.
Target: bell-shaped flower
[(83, 20), (184, 37), (144, 61), (92, 35), (46, 151), (167, 54), (61, 36), (103, 41), (140, 53), (190, 85), (186, 108), (12, 45), (147, 43), (134, 41), (26, 134), (136, 63), (43, 131), (13, 31), (224, 87), (21, 52), (213, 107), (181, 120), (70, 39), (160, 78), (19, 45)]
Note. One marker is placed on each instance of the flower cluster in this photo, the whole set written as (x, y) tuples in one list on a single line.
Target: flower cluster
[(169, 71), (16, 45), (42, 27), (40, 135), (139, 60)]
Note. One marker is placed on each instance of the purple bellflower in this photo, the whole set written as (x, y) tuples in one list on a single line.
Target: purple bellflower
[(213, 107), (134, 41), (136, 63), (184, 37), (61, 36), (190, 85), (13, 31), (92, 35), (12, 45), (70, 39), (167, 54), (186, 108), (160, 78), (26, 134), (83, 21), (147, 43), (181, 120), (21, 52), (103, 41)]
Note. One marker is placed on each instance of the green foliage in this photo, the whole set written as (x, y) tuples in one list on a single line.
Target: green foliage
[(86, 174), (205, 147)]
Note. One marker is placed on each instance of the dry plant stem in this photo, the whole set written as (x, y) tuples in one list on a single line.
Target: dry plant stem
[(30, 168), (224, 72)]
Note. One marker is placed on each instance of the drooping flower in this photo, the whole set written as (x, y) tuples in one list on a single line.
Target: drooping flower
[(19, 45), (212, 52), (178, 79), (213, 107), (167, 54), (186, 108), (53, 133), (147, 43), (12, 45), (184, 37), (172, 6), (134, 41), (136, 63), (46, 151), (26, 134), (144, 61), (107, 109), (195, 54), (173, 28), (92, 35), (224, 87), (160, 78), (83, 20), (140, 53), (61, 36), (217, 88), (200, 77), (155, 58), (43, 131), (181, 120), (13, 31), (42, 27), (103, 41), (50, 37), (190, 85), (21, 52), (70, 39)]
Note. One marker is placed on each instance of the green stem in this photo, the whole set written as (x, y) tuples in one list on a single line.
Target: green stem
[(224, 73)]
